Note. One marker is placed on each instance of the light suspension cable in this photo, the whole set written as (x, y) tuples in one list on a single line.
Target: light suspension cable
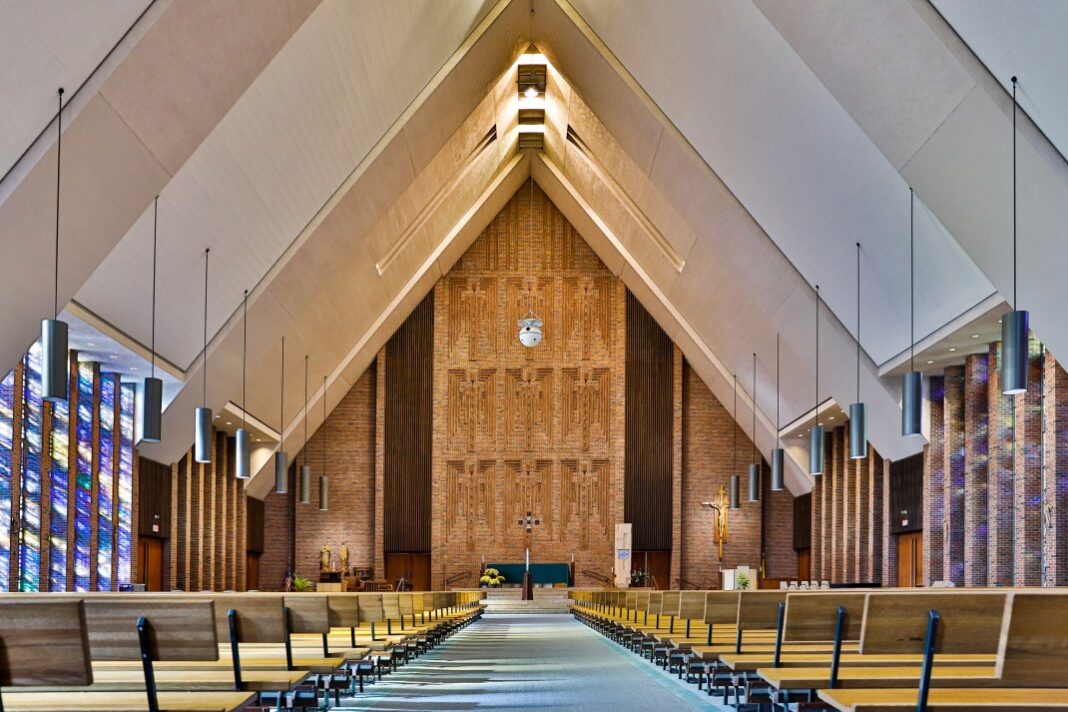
[(281, 462), (242, 445), (324, 480), (754, 466), (152, 391), (305, 469), (912, 385), (202, 446), (858, 429), (777, 460), (1015, 332), (735, 481), (55, 357), (815, 449)]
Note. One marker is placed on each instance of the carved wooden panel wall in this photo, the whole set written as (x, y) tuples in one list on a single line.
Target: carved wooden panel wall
[(520, 430)]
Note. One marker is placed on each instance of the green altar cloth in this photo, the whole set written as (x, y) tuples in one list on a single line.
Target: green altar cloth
[(539, 573)]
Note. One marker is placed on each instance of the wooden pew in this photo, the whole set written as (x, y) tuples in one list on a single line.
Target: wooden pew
[(1031, 670), (44, 645)]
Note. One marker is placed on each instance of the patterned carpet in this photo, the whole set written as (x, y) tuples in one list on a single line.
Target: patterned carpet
[(530, 662)]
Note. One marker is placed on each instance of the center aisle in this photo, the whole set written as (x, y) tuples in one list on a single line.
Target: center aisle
[(526, 662)]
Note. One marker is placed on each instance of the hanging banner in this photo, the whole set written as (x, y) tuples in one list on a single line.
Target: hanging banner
[(623, 539)]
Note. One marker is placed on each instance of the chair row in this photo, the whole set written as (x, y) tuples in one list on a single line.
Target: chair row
[(211, 651), (857, 651)]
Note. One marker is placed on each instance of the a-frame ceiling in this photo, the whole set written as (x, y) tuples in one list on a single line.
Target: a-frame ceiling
[(720, 157)]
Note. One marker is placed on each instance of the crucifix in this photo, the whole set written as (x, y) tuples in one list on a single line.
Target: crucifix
[(528, 586)]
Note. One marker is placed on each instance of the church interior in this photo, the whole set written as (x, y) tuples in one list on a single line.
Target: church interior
[(527, 354)]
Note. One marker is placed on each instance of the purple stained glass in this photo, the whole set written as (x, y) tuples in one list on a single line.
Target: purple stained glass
[(83, 518), (7, 414), (30, 501), (58, 521), (124, 544), (105, 483)]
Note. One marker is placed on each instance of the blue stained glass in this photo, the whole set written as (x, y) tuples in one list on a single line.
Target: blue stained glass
[(105, 483), (124, 545), (7, 414), (83, 519), (30, 504), (58, 521)]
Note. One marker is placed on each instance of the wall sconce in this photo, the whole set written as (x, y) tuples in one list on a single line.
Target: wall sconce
[(720, 524)]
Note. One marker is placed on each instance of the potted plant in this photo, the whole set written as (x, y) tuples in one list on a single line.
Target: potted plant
[(639, 578), (491, 578), (301, 584), (742, 582)]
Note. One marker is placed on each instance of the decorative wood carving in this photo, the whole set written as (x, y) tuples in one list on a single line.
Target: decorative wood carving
[(587, 326), (586, 402), (528, 408), (529, 487), (473, 318), (471, 499), (472, 408), (584, 498)]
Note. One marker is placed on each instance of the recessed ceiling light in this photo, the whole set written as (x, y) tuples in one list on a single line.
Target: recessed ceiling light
[(91, 343), (133, 368), (930, 361), (531, 93), (832, 417), (999, 321), (112, 357), (975, 336), (228, 422), (952, 349)]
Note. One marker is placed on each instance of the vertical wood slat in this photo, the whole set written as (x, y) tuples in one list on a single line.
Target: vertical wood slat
[(649, 434), (408, 432)]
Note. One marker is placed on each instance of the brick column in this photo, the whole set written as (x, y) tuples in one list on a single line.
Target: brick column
[(1001, 417), (877, 502), (837, 483), (1027, 464), (889, 541), (816, 550), (976, 445), (1056, 466), (933, 489), (954, 533), (380, 469), (849, 509), (862, 516)]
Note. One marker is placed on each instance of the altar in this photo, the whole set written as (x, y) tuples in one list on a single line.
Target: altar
[(547, 574)]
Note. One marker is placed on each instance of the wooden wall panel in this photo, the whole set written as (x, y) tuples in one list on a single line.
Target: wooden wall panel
[(408, 432), (803, 521), (254, 536), (906, 495), (649, 422), (155, 501)]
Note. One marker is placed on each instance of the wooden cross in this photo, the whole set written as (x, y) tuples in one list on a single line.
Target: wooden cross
[(529, 522)]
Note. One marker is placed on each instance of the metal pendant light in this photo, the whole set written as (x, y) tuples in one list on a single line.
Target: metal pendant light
[(152, 393), (777, 461), (815, 444), (202, 443), (1014, 328), (55, 372), (735, 478), (244, 450), (912, 386), (324, 481), (281, 463), (305, 469), (754, 466), (858, 412)]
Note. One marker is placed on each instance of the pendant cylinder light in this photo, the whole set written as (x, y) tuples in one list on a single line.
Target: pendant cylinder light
[(202, 439), (912, 385), (55, 340), (243, 446), (152, 392), (754, 466), (858, 425), (815, 444), (281, 463), (324, 481), (777, 460), (305, 469), (735, 482), (734, 492), (1014, 326)]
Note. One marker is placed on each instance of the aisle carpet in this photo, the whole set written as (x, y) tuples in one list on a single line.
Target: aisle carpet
[(530, 662)]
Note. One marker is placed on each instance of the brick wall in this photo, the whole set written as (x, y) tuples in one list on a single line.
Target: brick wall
[(1056, 485), (934, 491), (1001, 413), (976, 448), (277, 556)]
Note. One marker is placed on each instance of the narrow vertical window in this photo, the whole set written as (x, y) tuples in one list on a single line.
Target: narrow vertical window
[(124, 545), (105, 483)]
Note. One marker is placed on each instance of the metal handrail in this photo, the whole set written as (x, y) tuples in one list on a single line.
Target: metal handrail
[(455, 577), (607, 580)]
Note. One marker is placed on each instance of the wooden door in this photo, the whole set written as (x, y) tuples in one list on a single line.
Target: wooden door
[(252, 571), (151, 553), (804, 564), (414, 568), (910, 559), (657, 564)]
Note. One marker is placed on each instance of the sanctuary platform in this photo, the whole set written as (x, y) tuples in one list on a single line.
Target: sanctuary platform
[(510, 601)]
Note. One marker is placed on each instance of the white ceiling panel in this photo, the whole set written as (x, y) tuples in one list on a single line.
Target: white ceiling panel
[(47, 45), (813, 180), (305, 123)]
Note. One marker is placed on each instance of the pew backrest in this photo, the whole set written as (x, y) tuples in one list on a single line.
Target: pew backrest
[(654, 602), (177, 629), (308, 612), (370, 607), (404, 602), (43, 643), (1033, 647), (344, 610), (391, 605), (692, 604), (897, 622), (813, 616), (759, 610), (260, 618), (669, 603), (721, 607)]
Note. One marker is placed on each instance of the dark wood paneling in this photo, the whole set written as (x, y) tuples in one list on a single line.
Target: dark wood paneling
[(408, 432), (154, 498), (803, 522), (650, 419), (906, 495), (254, 519)]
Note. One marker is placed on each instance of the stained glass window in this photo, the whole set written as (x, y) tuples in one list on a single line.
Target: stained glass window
[(30, 501), (105, 483), (83, 521), (125, 503), (58, 521), (7, 414)]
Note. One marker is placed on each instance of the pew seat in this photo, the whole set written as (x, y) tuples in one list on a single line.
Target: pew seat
[(812, 678), (750, 663), (15, 701), (1012, 699), (188, 680)]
